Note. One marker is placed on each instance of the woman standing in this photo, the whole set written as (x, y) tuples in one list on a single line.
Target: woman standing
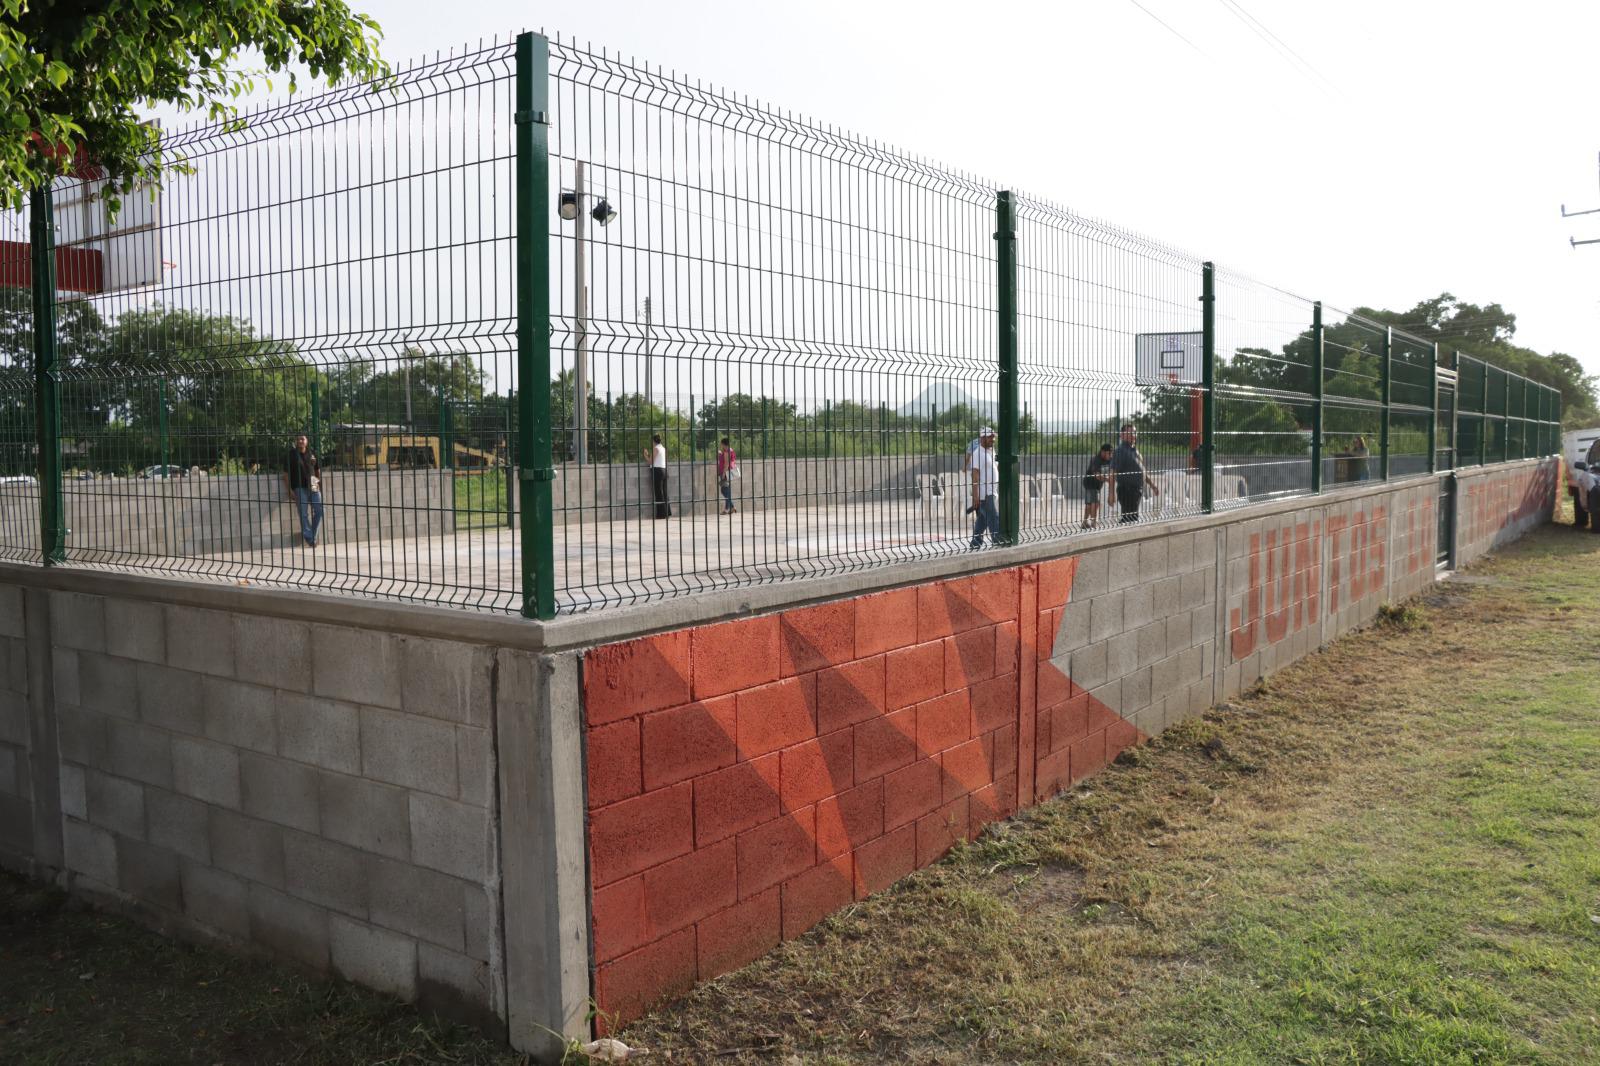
[(656, 456), (727, 470)]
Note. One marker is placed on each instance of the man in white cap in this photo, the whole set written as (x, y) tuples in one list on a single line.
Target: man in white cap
[(984, 470)]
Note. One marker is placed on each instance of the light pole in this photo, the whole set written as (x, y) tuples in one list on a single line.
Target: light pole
[(572, 211)]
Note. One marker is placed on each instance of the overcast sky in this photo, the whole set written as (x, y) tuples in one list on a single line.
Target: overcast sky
[(1361, 153)]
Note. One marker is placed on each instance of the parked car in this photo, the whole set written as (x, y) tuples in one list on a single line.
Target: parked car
[(162, 472), (19, 479)]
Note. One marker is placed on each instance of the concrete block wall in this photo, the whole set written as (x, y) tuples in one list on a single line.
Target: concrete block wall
[(16, 743)]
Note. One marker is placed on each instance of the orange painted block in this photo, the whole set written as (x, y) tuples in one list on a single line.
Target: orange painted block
[(1054, 687), (1054, 773), (938, 832), (1101, 716), (641, 832), (967, 768), (636, 676), (815, 894), (885, 620), (685, 742), (772, 853), (619, 923), (816, 768), (777, 715), (1002, 748), (910, 793), (944, 722), (1055, 582), (994, 595), (994, 703), (1005, 790), (1121, 734), (814, 638), (885, 744), (982, 808), (969, 658), (1049, 626), (1069, 722), (849, 819), (955, 606), (850, 693), (681, 892), (741, 934), (882, 862), (731, 656), (1089, 755), (613, 762), (735, 799), (630, 985), (914, 674), (1006, 648)]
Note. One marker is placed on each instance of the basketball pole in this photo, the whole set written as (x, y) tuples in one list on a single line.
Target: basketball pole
[(1006, 305)]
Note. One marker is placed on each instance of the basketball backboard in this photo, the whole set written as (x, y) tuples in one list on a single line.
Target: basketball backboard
[(94, 254), (1168, 358)]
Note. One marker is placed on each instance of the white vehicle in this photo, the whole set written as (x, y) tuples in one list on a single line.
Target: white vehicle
[(19, 479), (1581, 446)]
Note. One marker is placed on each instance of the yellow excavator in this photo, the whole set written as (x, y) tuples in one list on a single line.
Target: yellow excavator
[(372, 447)]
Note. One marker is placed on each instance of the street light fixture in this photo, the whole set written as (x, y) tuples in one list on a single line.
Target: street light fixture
[(571, 209)]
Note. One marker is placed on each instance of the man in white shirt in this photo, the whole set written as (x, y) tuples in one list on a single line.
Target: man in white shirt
[(984, 470), (1580, 486), (657, 455)]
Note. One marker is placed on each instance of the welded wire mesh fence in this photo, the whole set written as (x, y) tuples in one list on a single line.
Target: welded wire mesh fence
[(772, 347)]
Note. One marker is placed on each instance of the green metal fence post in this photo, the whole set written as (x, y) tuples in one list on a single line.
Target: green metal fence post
[(1483, 417), (1505, 419), (161, 421), (1208, 387), (1318, 372), (1384, 376), (316, 419), (883, 427), (446, 458), (1433, 413), (1006, 304), (533, 326), (766, 426), (47, 378)]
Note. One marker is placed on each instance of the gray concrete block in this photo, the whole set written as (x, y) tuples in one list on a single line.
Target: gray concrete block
[(1138, 606), (171, 698), (325, 873), (115, 804), (90, 851), (8, 771), (272, 651), (366, 815), (1166, 680), (106, 684), (450, 837), (1136, 690), (290, 927), (1105, 617), (319, 732), (1074, 632), (149, 874), (206, 770), (1088, 666), (200, 640), (445, 679), (1093, 576), (14, 665), (455, 986), (135, 630), (1205, 657), (82, 735), (406, 750), (1153, 557), (356, 665), (482, 922), (16, 826), (1165, 597), (1192, 589), (178, 824), (1123, 567), (1191, 664), (281, 791), (14, 719), (77, 621), (1109, 694), (139, 751), (418, 902), (1202, 624), (216, 900), (64, 672), (1122, 655), (74, 792), (1180, 553), (1152, 643), (248, 847), (376, 958), (1179, 632), (475, 765), (239, 715), (12, 622), (1208, 583)]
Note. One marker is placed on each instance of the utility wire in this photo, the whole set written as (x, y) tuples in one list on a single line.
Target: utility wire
[(1169, 28), (1276, 43)]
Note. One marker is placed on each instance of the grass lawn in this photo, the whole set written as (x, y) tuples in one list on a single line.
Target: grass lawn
[(1389, 853), (480, 499)]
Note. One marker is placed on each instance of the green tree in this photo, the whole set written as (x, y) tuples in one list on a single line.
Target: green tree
[(73, 74)]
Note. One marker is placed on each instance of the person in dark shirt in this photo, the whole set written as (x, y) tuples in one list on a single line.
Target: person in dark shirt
[(1094, 481), (1132, 477), (302, 478)]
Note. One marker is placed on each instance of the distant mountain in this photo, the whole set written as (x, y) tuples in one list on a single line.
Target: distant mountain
[(945, 395)]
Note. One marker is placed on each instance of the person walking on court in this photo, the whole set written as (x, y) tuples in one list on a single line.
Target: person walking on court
[(1131, 476), (302, 480), (727, 470), (984, 470), (1580, 486), (1098, 476), (656, 456)]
